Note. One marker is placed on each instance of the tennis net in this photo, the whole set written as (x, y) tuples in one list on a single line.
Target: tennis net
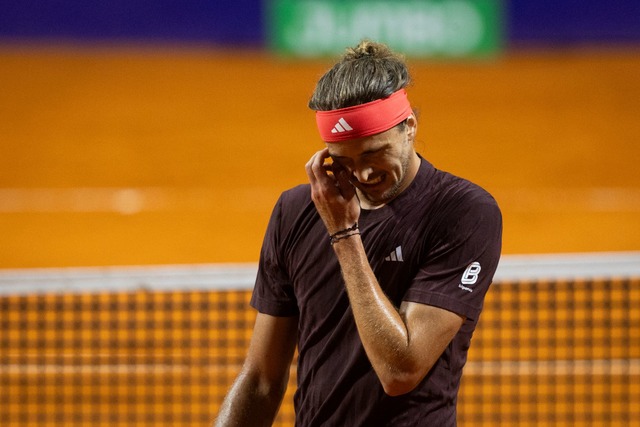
[(558, 344)]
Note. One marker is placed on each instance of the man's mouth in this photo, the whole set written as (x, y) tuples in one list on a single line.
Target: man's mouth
[(373, 182)]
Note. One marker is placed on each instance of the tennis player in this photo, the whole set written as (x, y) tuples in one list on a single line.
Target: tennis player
[(377, 269)]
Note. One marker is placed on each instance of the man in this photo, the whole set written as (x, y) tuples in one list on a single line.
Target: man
[(376, 270)]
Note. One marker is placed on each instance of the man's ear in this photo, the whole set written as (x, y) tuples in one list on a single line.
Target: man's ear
[(411, 127)]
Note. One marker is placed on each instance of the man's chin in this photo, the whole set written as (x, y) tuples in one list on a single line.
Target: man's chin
[(377, 198)]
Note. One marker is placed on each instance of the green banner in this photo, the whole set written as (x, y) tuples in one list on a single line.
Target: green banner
[(428, 28)]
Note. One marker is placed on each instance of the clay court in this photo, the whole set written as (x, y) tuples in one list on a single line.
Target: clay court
[(136, 156), (128, 156)]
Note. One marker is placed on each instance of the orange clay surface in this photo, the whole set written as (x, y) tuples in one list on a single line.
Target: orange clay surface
[(138, 155)]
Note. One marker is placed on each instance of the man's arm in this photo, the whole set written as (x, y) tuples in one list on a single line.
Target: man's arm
[(257, 392), (402, 345)]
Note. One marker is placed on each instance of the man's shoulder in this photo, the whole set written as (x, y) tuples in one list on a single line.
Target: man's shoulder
[(455, 189), (300, 190), (300, 194), (435, 186), (295, 203)]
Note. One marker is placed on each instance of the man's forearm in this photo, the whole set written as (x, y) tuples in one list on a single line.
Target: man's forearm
[(249, 404), (382, 329)]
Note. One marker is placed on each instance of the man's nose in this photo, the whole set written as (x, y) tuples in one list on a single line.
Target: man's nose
[(362, 173)]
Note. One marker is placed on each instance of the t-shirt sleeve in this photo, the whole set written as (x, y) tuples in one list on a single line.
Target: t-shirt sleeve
[(462, 257), (273, 292)]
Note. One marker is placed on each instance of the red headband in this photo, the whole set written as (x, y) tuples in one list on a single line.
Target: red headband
[(364, 119)]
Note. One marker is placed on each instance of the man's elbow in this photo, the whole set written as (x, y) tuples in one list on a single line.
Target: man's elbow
[(399, 384)]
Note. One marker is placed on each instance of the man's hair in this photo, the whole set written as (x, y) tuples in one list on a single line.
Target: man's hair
[(365, 73)]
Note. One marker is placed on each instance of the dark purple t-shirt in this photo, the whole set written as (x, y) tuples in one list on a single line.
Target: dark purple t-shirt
[(437, 243)]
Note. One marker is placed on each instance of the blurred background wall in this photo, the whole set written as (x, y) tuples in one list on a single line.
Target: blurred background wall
[(242, 23), (160, 132)]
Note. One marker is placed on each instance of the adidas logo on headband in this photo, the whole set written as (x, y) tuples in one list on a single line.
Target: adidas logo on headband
[(341, 126), (362, 120)]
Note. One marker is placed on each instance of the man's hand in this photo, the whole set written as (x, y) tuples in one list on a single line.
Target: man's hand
[(334, 196)]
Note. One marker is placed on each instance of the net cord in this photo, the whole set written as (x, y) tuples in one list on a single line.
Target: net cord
[(241, 276)]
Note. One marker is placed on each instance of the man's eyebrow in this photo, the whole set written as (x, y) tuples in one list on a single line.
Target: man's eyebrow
[(374, 150), (364, 153)]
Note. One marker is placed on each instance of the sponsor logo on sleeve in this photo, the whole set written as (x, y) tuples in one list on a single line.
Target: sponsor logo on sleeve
[(470, 277)]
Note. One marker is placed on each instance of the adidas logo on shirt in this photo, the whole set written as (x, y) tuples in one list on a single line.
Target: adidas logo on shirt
[(341, 126), (395, 255)]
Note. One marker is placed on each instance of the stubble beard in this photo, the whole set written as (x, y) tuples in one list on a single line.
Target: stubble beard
[(394, 191)]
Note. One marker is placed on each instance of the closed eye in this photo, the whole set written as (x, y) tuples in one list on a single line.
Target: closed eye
[(364, 154)]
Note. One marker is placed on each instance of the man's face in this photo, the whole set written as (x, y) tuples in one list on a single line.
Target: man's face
[(380, 166)]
